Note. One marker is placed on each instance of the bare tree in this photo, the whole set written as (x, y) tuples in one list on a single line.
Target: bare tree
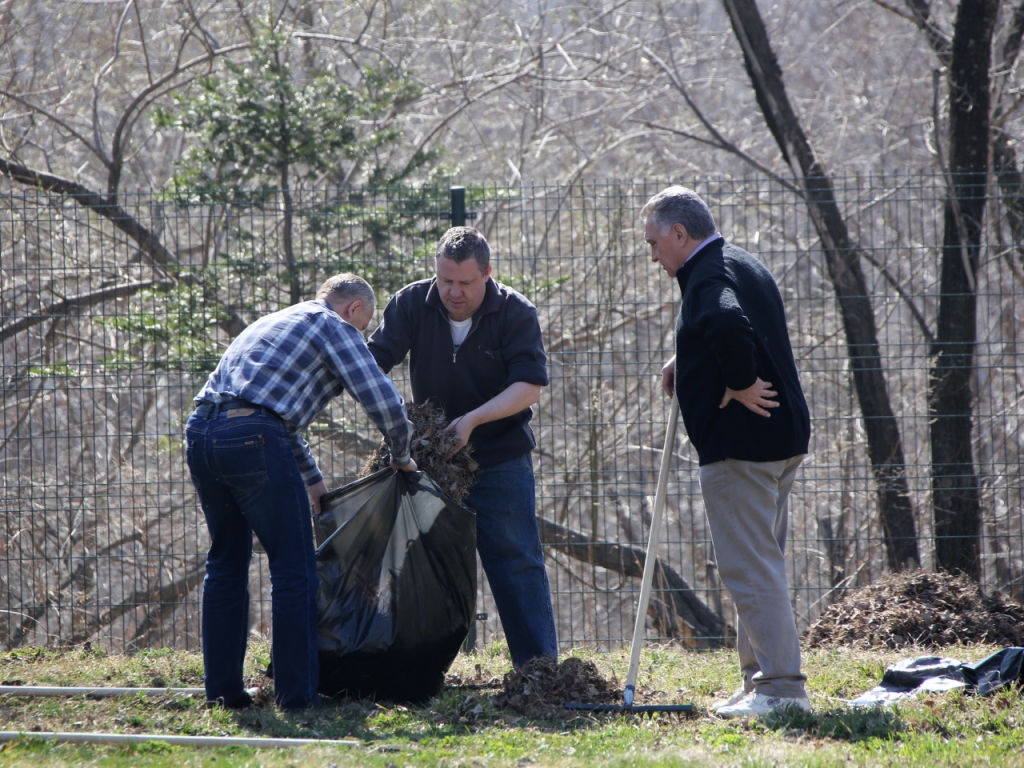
[(955, 489), (976, 130), (885, 446)]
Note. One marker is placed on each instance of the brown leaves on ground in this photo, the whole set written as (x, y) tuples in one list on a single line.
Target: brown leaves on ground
[(543, 687), (432, 448), (483, 677), (930, 610)]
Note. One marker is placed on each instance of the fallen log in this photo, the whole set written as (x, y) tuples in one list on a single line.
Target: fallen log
[(675, 609)]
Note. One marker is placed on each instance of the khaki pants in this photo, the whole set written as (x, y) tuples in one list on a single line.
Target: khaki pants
[(746, 504)]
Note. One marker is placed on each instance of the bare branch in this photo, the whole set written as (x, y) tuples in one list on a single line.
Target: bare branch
[(77, 303), (728, 146), (144, 97), (98, 151), (939, 41), (142, 41), (894, 10), (106, 67), (148, 242)]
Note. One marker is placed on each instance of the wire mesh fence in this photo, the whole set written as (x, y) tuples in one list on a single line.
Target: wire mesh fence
[(109, 330)]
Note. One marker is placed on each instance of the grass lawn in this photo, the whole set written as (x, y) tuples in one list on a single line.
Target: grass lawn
[(462, 726)]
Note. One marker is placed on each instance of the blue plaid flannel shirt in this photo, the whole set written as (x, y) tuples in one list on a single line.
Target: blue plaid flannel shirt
[(293, 362)]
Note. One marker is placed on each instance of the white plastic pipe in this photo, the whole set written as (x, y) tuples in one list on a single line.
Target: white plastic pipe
[(652, 556), (96, 693), (183, 741)]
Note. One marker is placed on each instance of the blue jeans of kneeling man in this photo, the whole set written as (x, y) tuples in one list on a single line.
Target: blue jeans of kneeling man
[(248, 481), (508, 540)]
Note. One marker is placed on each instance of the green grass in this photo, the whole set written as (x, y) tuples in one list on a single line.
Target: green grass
[(462, 727)]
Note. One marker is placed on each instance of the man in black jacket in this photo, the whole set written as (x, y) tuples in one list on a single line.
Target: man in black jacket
[(745, 413), (475, 349)]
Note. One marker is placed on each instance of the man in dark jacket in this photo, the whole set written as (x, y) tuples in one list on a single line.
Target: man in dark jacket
[(475, 349), (745, 413)]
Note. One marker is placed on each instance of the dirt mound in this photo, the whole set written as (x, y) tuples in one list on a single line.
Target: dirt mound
[(931, 610), (542, 687), (431, 450)]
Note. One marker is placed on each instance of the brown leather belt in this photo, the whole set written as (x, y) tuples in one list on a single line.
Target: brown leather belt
[(232, 409)]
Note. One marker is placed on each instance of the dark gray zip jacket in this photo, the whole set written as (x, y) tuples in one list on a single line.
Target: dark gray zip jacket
[(503, 346)]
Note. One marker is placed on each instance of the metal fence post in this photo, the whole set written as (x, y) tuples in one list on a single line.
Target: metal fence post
[(458, 211)]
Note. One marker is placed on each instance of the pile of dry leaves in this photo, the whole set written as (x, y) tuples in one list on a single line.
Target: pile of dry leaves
[(930, 610), (543, 687), (432, 448)]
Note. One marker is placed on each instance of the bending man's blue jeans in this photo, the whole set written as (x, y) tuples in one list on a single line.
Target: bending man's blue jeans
[(504, 499), (248, 481)]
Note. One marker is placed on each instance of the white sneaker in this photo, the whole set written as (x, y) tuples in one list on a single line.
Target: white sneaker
[(757, 704), (738, 695)]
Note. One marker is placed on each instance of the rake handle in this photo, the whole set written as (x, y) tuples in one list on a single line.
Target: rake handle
[(651, 557)]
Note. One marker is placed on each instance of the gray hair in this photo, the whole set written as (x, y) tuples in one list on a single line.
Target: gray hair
[(346, 287), (679, 205), (461, 243)]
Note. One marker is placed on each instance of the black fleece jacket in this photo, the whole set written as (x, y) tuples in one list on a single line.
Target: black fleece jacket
[(503, 346), (731, 329)]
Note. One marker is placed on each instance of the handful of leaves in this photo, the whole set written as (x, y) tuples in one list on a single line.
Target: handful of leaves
[(433, 450)]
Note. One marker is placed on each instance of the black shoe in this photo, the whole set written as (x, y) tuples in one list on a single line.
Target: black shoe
[(316, 703), (241, 702)]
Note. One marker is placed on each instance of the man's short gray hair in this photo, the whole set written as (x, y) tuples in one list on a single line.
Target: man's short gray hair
[(461, 243), (347, 287), (679, 205)]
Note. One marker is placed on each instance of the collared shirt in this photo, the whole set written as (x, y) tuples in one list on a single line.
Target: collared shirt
[(702, 244), (294, 361)]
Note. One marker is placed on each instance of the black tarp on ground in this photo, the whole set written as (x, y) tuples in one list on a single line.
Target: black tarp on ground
[(934, 674), (397, 565)]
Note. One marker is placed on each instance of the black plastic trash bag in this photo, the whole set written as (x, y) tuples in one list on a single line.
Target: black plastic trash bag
[(995, 671), (397, 565), (905, 679)]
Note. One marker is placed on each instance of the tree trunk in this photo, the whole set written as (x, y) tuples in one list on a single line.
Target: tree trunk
[(294, 284), (1004, 153), (956, 499), (1011, 187), (885, 447)]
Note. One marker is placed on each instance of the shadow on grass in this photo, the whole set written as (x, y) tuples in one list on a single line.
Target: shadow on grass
[(455, 711), (839, 724)]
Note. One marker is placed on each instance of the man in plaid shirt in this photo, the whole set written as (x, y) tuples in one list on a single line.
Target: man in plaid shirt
[(254, 473)]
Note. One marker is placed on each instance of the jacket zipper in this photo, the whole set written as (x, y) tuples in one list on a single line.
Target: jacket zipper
[(472, 328)]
